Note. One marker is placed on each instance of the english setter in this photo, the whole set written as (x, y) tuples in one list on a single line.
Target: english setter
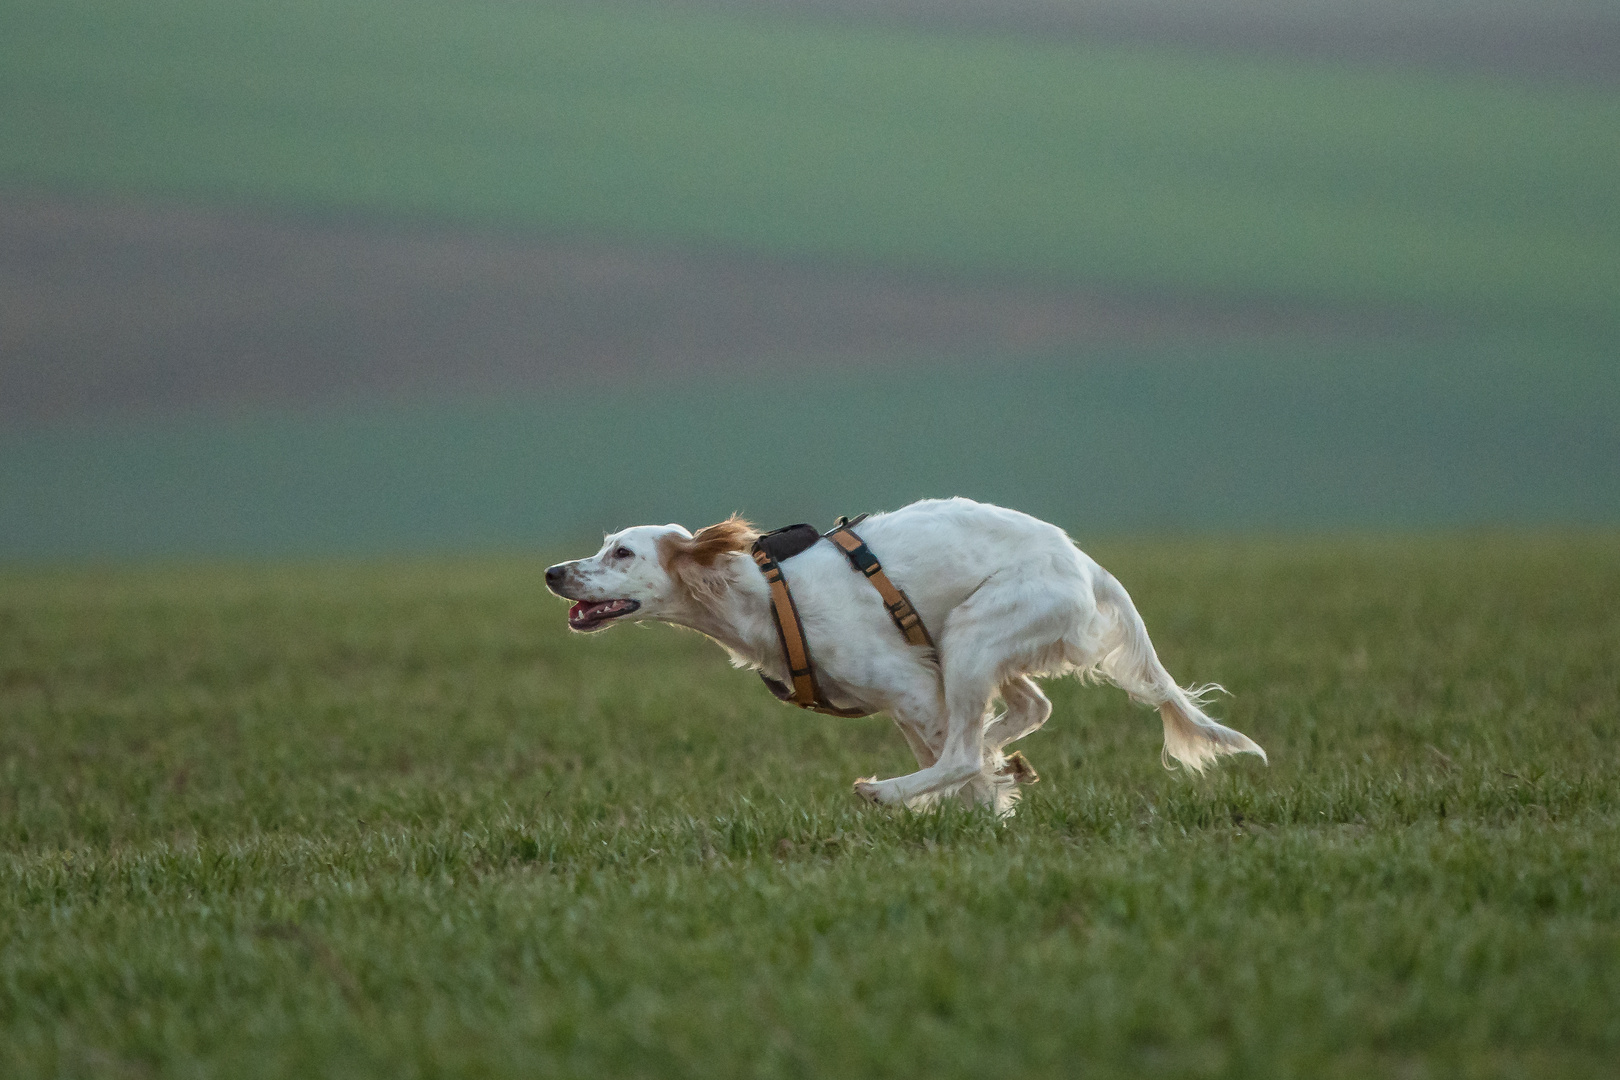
[(1006, 596)]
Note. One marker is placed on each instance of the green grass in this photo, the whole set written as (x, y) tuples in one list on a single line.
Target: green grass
[(1136, 166), (391, 820)]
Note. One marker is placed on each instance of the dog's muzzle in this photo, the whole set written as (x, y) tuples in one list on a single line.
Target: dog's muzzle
[(586, 615)]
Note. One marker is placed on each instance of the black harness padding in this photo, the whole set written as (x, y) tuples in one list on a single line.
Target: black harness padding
[(786, 542)]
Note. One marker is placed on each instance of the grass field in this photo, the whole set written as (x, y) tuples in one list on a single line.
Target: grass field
[(1145, 167), (391, 820)]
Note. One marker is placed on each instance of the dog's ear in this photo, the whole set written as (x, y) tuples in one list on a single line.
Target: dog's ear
[(693, 562), (725, 538)]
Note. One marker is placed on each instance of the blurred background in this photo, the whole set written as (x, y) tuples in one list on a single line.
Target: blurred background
[(353, 276)]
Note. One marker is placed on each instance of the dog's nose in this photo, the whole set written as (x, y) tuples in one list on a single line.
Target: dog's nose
[(555, 575)]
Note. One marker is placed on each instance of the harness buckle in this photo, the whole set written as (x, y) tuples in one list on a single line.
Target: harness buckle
[(866, 562)]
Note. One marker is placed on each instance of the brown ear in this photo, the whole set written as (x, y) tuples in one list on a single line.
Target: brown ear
[(692, 562), (707, 545)]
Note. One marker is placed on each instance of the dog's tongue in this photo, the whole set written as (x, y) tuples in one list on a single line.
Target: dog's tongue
[(580, 608)]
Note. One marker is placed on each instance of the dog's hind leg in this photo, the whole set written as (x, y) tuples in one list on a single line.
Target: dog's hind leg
[(996, 786), (1027, 710)]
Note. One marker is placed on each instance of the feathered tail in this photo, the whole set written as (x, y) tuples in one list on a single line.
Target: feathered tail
[(1190, 736)]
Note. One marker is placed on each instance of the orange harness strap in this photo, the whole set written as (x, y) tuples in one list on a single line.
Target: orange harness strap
[(805, 692), (900, 610)]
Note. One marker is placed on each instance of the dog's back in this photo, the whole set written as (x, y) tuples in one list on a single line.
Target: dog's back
[(940, 551)]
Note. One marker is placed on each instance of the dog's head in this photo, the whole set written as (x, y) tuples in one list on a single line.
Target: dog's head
[(650, 572)]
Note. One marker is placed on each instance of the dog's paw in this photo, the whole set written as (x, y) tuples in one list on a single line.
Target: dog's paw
[(1019, 770), (869, 790)]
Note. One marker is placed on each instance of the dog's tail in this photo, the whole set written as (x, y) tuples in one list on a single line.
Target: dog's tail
[(1190, 736)]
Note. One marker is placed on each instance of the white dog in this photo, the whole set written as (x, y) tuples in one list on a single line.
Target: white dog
[(1006, 597)]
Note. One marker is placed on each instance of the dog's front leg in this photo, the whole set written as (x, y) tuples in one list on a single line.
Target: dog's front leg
[(919, 713), (967, 694), (915, 732)]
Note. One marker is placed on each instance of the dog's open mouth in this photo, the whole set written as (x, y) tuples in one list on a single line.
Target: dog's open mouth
[(588, 615)]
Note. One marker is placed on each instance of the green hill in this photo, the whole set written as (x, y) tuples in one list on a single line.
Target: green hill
[(1308, 436), (1150, 167)]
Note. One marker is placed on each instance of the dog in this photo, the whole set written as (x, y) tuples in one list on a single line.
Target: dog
[(1008, 599)]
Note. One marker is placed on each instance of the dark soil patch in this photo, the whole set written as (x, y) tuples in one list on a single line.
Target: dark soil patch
[(117, 305)]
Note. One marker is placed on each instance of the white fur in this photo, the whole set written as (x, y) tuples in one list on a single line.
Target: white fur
[(1006, 597)]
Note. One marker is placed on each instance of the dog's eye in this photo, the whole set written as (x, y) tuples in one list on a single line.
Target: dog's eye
[(624, 553)]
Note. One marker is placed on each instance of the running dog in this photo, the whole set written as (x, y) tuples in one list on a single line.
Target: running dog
[(1008, 598)]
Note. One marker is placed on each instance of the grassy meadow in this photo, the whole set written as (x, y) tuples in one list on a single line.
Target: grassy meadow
[(390, 819)]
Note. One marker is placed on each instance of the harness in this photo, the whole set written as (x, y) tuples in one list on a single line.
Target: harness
[(774, 547)]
